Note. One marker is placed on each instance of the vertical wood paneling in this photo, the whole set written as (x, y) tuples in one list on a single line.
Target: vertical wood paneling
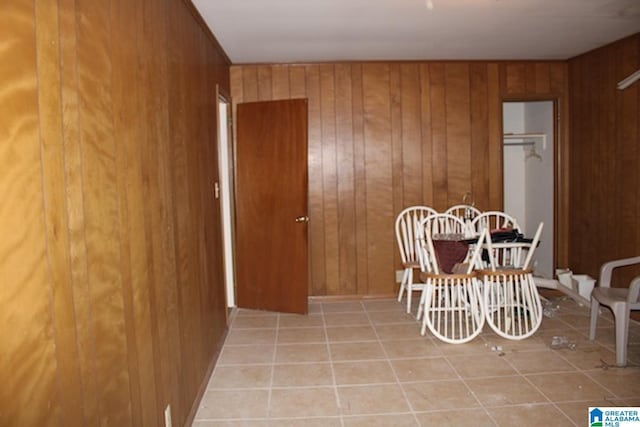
[(426, 135), (98, 328), (458, 132), (101, 212), (411, 135), (378, 169), (439, 146), (383, 136), (329, 177), (143, 405), (27, 355), (604, 134), (395, 114), (316, 184), (346, 187), (359, 179), (50, 104), (480, 173)]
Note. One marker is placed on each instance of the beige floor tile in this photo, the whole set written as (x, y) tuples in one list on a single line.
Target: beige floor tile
[(472, 347), (419, 347), (624, 382), (301, 335), (568, 386), (342, 307), (301, 353), (459, 417), (356, 351), (303, 402), (351, 333), (383, 305), (387, 317), (306, 422), (251, 336), (350, 373), (439, 395), (398, 420), (301, 321), (588, 357), (306, 374), (503, 391), (528, 362), (248, 312), (241, 376), (246, 354), (346, 319), (255, 322), (232, 423), (373, 399), (481, 365), (398, 331), (314, 307), (229, 404), (498, 344), (347, 374), (529, 415), (423, 369)]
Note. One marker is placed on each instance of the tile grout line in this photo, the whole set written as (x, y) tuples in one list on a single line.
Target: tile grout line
[(395, 374), (330, 360)]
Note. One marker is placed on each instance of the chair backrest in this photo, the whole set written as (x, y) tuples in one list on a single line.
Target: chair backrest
[(406, 226), (465, 212), (493, 220), (515, 255), (437, 226)]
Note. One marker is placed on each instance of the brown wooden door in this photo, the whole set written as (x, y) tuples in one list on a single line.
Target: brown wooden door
[(271, 206)]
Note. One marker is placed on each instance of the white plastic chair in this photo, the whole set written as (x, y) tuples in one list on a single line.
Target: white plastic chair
[(451, 304), (511, 300), (620, 300), (405, 227), (493, 220)]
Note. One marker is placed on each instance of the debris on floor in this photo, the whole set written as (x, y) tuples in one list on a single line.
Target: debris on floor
[(560, 341)]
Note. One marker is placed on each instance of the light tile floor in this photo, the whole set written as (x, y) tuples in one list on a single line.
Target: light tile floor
[(363, 363)]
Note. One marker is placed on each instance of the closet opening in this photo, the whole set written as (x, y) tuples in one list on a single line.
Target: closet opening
[(529, 147)]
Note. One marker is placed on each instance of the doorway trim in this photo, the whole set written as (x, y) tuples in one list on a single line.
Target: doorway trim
[(226, 188)]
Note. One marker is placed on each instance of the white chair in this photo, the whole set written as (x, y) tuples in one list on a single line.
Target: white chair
[(465, 212), (511, 300), (405, 228), (620, 300), (451, 304), (493, 221)]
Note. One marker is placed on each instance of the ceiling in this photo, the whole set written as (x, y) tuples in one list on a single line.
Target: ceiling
[(271, 31)]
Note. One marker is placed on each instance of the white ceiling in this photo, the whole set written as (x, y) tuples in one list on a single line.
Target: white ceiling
[(268, 31)]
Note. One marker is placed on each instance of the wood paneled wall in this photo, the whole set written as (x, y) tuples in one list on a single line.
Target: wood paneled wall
[(605, 159), (386, 135), (111, 289)]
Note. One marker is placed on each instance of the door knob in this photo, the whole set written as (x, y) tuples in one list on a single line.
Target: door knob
[(302, 219)]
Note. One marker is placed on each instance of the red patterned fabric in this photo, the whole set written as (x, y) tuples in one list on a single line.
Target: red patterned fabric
[(449, 253)]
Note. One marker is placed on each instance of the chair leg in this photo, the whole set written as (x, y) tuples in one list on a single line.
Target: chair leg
[(595, 307), (409, 288), (403, 284), (621, 314)]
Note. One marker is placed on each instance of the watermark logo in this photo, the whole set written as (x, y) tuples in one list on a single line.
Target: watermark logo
[(614, 417)]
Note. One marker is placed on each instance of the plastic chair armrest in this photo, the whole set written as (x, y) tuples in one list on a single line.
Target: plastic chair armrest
[(634, 291), (607, 269)]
